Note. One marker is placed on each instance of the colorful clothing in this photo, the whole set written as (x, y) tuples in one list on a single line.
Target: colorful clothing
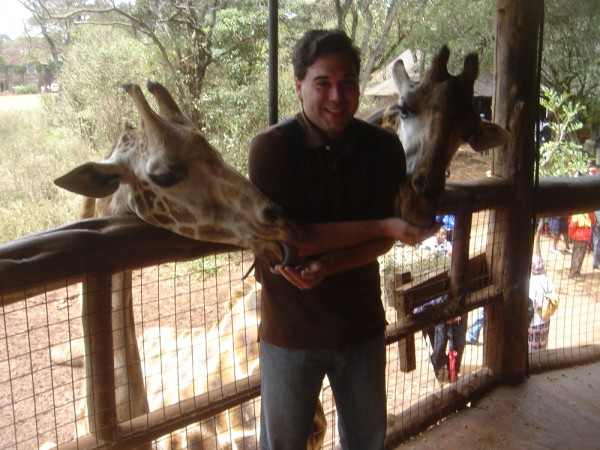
[(580, 231), (539, 287)]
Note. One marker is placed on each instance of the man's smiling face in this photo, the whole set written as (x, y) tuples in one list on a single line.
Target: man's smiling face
[(329, 93)]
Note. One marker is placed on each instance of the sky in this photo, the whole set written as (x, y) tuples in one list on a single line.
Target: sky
[(12, 18)]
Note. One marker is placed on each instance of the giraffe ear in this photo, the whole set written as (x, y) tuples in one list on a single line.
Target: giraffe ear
[(489, 135), (92, 179)]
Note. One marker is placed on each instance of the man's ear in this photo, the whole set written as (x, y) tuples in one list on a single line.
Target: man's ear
[(298, 84)]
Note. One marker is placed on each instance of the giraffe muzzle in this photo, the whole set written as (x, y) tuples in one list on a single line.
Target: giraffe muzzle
[(416, 209)]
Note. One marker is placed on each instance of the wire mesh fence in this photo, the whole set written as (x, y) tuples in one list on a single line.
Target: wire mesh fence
[(196, 331), (574, 326)]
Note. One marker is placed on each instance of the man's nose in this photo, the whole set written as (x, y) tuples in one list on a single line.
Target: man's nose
[(336, 93)]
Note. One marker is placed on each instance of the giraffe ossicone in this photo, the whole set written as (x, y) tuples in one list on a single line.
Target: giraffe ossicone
[(173, 178)]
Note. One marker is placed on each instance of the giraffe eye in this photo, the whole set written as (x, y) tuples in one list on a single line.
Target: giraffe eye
[(404, 111), (166, 179), (168, 175)]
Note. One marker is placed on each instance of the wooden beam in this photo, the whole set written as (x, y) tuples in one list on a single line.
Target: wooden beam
[(515, 99), (96, 321), (63, 255)]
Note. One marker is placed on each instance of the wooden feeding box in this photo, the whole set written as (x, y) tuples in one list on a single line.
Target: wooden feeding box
[(411, 294)]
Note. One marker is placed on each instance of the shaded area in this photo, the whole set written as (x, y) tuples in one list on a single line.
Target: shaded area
[(552, 410)]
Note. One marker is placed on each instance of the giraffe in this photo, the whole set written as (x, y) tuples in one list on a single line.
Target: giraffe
[(167, 174), (433, 118), (225, 352)]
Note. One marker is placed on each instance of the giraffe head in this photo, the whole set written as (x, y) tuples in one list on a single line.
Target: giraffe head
[(433, 118), (167, 173)]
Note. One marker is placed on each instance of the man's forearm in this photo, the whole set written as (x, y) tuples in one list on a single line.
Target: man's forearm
[(331, 236), (356, 256)]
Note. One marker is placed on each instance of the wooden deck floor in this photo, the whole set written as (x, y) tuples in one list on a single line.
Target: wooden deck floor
[(551, 410)]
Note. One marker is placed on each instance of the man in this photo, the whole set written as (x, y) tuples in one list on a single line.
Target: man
[(339, 177)]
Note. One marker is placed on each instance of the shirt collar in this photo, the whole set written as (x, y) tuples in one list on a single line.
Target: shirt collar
[(315, 138)]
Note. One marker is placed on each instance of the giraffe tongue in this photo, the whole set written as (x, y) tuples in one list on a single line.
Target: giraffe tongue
[(290, 254)]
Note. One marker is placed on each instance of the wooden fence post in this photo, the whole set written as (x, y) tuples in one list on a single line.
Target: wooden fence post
[(515, 99), (96, 320)]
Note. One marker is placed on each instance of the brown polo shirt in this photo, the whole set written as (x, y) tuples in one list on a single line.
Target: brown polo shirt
[(317, 180)]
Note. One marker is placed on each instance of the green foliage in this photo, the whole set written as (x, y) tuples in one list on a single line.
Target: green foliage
[(562, 157), (233, 114), (33, 155), (466, 26), (565, 113), (571, 52), (235, 109), (20, 69), (92, 100), (26, 89)]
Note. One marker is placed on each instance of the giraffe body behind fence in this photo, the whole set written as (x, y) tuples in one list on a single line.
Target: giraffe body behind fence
[(201, 359)]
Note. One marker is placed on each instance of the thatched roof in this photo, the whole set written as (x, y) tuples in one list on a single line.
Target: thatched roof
[(382, 84)]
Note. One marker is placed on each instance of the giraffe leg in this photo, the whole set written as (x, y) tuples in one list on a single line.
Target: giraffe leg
[(319, 427)]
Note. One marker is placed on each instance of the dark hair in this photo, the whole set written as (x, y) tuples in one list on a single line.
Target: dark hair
[(316, 43)]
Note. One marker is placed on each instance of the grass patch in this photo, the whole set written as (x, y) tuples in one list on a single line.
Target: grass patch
[(406, 258), (33, 155)]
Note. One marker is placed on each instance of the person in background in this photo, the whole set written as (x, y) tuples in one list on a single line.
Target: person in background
[(596, 240), (539, 288), (559, 226), (448, 339), (475, 328), (439, 243), (338, 176), (580, 232), (448, 222), (451, 335), (446, 363)]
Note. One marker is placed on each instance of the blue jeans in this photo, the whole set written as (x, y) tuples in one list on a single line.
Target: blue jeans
[(455, 334), (596, 243), (291, 380), (475, 329)]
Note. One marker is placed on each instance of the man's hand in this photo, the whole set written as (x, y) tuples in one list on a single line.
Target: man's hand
[(306, 276), (383, 233), (400, 230)]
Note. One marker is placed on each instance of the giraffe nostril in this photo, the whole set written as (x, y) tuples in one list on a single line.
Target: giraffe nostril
[(427, 186), (419, 183), (272, 214)]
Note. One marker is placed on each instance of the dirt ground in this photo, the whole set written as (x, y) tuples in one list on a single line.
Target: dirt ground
[(469, 165)]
